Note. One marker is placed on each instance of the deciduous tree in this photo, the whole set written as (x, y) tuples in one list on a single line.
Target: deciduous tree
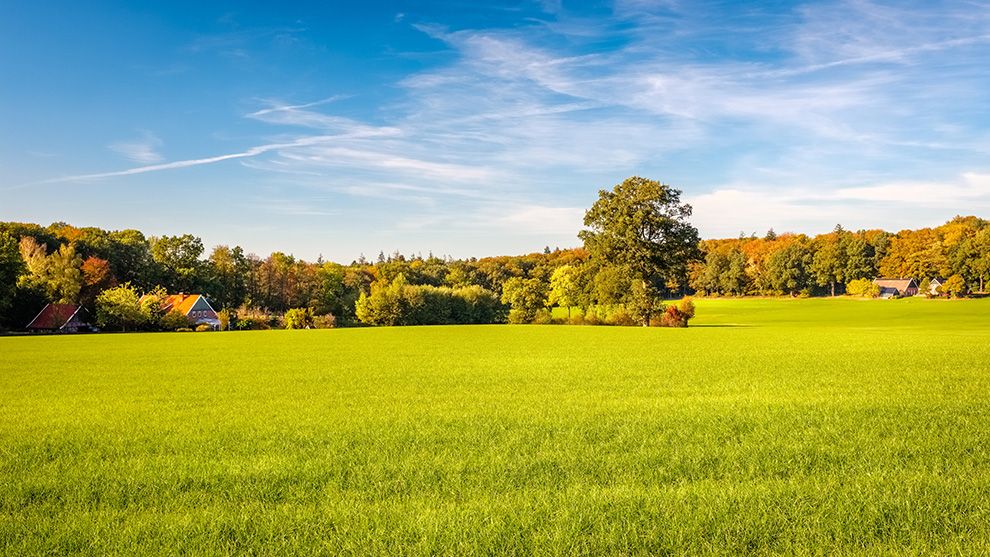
[(642, 225)]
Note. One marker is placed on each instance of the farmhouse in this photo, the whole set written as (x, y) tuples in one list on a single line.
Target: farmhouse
[(195, 307), (935, 284), (62, 318), (890, 287)]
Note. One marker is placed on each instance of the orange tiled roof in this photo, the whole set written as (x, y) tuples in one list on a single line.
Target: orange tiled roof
[(182, 303)]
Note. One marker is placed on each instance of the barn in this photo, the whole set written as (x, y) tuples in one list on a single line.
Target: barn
[(896, 287), (61, 318)]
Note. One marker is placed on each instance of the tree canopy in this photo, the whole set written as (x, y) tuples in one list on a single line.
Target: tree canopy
[(642, 225)]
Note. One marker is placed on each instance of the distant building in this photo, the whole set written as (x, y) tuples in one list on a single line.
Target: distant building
[(61, 318), (195, 307), (892, 287), (934, 285)]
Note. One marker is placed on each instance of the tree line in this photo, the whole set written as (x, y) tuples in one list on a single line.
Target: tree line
[(957, 253), (639, 250)]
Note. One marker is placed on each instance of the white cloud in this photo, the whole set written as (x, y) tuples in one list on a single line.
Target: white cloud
[(830, 108), (537, 219), (971, 187), (731, 209), (143, 150)]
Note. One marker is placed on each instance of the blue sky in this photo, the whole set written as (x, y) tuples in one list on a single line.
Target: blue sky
[(328, 128)]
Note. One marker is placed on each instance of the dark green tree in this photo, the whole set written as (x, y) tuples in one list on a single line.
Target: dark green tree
[(642, 225), (11, 267), (178, 258)]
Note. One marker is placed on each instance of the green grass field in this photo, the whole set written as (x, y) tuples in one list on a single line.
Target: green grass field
[(771, 426)]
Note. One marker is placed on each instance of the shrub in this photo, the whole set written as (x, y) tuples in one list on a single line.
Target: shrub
[(203, 327), (251, 319), (621, 318), (519, 316), (678, 315), (673, 318), (591, 318), (327, 321), (686, 307), (225, 318), (174, 320), (299, 318), (253, 324), (543, 317), (863, 287)]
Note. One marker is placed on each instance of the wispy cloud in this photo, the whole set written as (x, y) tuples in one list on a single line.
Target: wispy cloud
[(252, 152), (810, 209), (803, 114), (143, 150)]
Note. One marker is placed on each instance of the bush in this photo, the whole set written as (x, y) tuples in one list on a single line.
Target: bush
[(543, 317), (299, 318), (251, 319), (621, 318), (591, 318), (519, 316), (203, 327), (173, 320), (677, 315), (253, 324), (863, 287), (225, 318), (686, 307), (327, 321)]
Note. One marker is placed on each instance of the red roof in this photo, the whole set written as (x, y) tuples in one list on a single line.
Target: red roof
[(54, 316)]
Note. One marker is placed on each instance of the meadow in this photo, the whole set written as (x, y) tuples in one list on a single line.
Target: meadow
[(810, 427)]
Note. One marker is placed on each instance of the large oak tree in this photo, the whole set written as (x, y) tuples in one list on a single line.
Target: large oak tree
[(642, 225)]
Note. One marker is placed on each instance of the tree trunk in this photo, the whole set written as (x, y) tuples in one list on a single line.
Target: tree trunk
[(833, 288)]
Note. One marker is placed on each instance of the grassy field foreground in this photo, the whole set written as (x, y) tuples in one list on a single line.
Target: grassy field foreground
[(772, 426)]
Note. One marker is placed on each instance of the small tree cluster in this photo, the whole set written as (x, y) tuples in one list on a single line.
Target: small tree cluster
[(399, 303), (525, 297), (121, 308)]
